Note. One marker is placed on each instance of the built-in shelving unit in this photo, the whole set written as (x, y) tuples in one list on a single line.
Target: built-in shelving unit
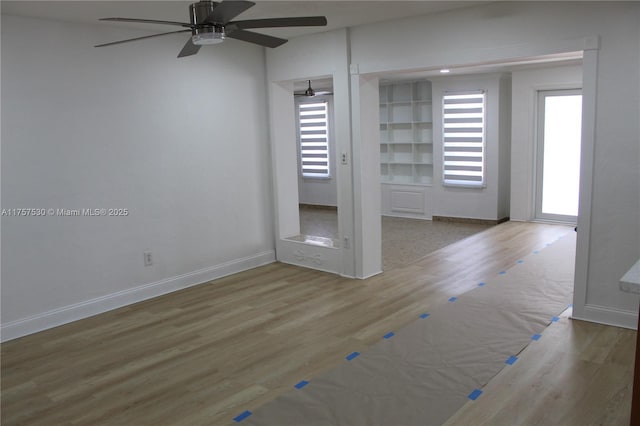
[(406, 133)]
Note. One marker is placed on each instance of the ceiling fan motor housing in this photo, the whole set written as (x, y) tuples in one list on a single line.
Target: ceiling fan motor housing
[(198, 12)]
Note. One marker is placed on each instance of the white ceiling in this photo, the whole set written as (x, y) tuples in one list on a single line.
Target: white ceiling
[(340, 14)]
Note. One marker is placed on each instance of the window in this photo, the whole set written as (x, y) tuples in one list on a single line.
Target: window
[(463, 138), (313, 121)]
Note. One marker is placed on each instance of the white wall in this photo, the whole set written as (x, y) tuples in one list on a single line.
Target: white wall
[(526, 83), (478, 203), (610, 241), (180, 143)]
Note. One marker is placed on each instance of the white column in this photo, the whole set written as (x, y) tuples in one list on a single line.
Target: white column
[(365, 99)]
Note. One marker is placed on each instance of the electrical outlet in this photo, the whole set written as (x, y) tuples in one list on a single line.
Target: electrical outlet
[(343, 158), (148, 258)]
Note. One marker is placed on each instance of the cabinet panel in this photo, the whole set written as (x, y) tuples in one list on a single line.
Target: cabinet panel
[(404, 201)]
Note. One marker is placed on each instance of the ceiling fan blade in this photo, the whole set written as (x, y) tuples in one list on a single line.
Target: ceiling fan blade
[(320, 93), (148, 21), (189, 49), (226, 11), (140, 38), (256, 38), (302, 21)]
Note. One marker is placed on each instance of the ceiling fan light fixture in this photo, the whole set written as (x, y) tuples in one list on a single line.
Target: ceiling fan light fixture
[(214, 36)]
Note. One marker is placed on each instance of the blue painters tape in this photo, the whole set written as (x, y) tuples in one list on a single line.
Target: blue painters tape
[(536, 337), (301, 384), (242, 416), (502, 272), (570, 305), (555, 319), (520, 261), (453, 299), (389, 335), (481, 284), (425, 315), (475, 394), (352, 355), (536, 251), (511, 360)]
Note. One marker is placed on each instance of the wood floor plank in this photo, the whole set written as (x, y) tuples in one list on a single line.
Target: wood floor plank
[(560, 380), (204, 354)]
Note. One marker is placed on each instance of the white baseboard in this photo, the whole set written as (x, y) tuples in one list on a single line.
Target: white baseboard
[(77, 311), (609, 316)]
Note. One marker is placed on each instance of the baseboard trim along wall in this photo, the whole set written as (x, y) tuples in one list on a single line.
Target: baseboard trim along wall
[(14, 329), (317, 207), (470, 220), (609, 316)]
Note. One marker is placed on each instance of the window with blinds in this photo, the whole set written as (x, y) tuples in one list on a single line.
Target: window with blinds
[(313, 122), (464, 138)]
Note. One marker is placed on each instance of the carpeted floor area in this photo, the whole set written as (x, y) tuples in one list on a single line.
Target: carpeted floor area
[(403, 240)]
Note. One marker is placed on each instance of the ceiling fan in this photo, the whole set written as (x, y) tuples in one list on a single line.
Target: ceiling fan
[(311, 93), (211, 22)]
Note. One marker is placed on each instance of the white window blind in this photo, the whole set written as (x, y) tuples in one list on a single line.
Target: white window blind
[(314, 139), (463, 138)]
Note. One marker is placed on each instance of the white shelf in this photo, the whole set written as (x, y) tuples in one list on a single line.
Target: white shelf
[(406, 133)]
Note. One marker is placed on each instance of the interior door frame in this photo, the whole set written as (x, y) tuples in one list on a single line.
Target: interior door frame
[(541, 95)]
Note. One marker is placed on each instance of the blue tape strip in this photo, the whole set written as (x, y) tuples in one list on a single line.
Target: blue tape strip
[(570, 305), (453, 299), (511, 360), (536, 251), (520, 261), (555, 319), (425, 315), (481, 284), (389, 335), (301, 384), (242, 416), (352, 355), (475, 394), (536, 337), (502, 272)]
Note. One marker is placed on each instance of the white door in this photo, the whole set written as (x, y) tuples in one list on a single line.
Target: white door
[(558, 155)]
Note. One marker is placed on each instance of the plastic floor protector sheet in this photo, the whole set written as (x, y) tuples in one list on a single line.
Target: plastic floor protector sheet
[(424, 372)]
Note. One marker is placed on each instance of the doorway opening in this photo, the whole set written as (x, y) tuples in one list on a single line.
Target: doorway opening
[(316, 162), (558, 155)]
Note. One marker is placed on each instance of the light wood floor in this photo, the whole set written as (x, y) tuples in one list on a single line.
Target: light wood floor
[(203, 355), (577, 374)]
